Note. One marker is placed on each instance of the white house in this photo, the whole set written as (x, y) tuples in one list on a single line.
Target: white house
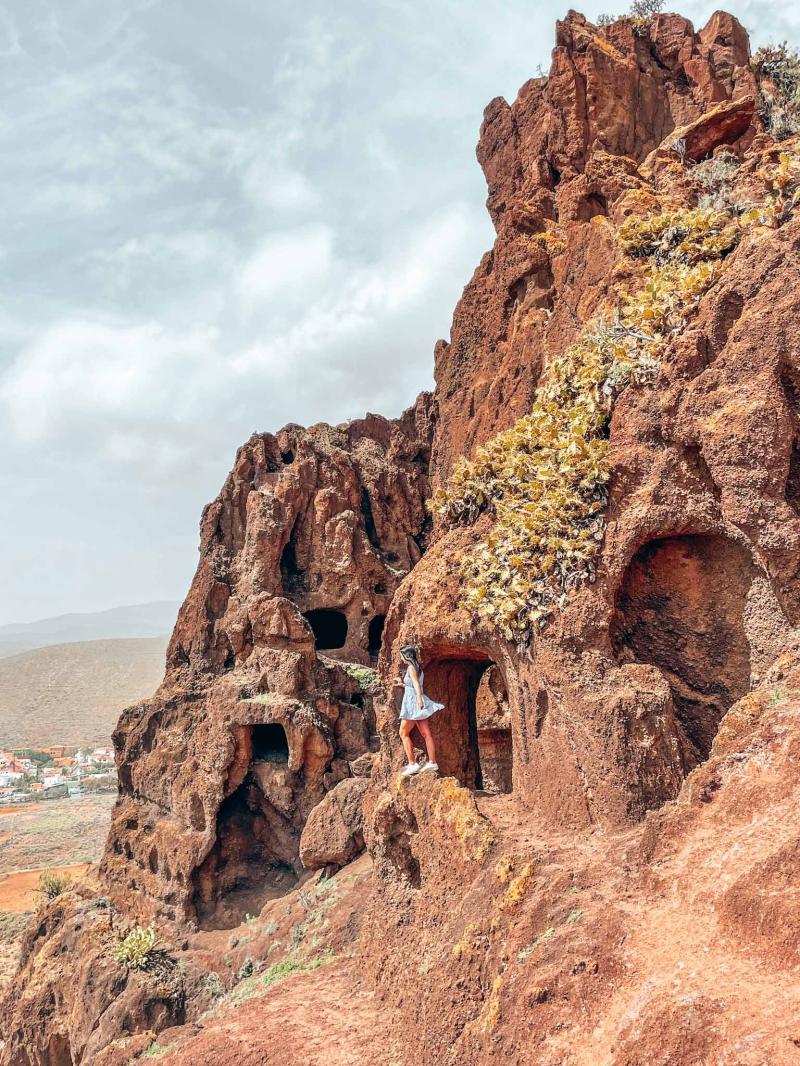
[(10, 777)]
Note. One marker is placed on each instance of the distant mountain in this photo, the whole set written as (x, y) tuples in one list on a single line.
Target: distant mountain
[(73, 693), (140, 620)]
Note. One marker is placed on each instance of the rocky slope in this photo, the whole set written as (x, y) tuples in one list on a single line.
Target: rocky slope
[(605, 872)]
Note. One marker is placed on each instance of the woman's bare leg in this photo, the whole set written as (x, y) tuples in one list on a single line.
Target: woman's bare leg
[(406, 728), (427, 736)]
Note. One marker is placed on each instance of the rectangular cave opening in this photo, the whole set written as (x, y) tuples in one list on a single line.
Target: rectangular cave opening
[(375, 636), (270, 743), (473, 731), (329, 628)]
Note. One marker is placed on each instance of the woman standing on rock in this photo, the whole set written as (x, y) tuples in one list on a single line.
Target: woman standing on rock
[(415, 710)]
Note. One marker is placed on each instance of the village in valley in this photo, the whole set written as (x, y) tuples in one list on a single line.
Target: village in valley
[(55, 772)]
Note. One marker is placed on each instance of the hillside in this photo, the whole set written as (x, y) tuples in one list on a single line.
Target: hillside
[(118, 623), (73, 693), (588, 536)]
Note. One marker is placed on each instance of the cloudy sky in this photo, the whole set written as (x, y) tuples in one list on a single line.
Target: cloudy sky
[(217, 218)]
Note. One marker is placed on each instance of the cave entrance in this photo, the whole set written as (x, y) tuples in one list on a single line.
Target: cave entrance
[(375, 636), (270, 743), (681, 608), (473, 731), (493, 719), (256, 843), (329, 627)]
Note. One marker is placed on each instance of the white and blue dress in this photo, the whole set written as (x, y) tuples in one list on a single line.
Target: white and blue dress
[(410, 709)]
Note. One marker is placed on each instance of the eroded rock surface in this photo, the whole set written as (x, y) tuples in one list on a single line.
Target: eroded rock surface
[(606, 868), (697, 580), (266, 700)]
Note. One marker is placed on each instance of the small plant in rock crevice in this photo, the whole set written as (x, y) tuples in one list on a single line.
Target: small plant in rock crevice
[(366, 677), (137, 950), (212, 984), (716, 176), (783, 185)]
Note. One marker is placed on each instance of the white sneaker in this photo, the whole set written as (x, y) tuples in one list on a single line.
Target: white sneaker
[(430, 766), (411, 769)]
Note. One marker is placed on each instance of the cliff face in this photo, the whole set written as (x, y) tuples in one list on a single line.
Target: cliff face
[(567, 151), (696, 580), (617, 787), (266, 701)]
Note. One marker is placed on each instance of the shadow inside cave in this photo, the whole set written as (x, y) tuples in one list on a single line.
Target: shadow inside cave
[(681, 607), (473, 731)]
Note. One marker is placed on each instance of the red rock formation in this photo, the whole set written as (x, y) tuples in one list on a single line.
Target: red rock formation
[(614, 704), (643, 797), (302, 551), (567, 150)]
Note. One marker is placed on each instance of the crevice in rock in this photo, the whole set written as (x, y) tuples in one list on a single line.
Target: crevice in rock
[(369, 520), (592, 205), (699, 469), (397, 841), (542, 710), (293, 578), (375, 636), (790, 383)]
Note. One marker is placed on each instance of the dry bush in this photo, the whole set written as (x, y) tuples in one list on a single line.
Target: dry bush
[(779, 102), (52, 884)]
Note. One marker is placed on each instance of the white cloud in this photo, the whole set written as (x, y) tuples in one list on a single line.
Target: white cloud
[(288, 267), (273, 188), (83, 380)]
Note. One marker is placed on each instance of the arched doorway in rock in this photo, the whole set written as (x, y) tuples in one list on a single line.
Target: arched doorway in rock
[(255, 850), (374, 636), (473, 731), (681, 607), (329, 628)]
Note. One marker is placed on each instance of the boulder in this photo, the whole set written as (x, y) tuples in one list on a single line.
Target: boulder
[(334, 830)]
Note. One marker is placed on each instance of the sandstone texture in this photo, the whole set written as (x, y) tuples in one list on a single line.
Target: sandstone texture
[(267, 696), (334, 831), (697, 581), (606, 869)]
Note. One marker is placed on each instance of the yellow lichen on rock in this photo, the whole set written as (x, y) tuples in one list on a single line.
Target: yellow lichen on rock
[(516, 890), (455, 806)]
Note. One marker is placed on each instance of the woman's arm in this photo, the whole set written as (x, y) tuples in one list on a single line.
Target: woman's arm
[(417, 687)]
